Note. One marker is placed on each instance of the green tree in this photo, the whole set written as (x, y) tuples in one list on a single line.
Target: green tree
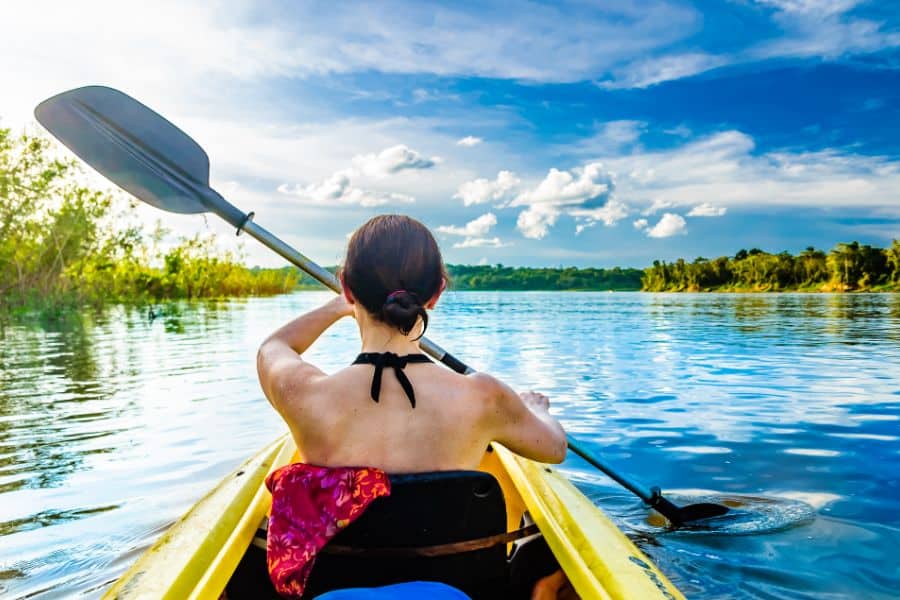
[(892, 262), (63, 243), (812, 267), (847, 267)]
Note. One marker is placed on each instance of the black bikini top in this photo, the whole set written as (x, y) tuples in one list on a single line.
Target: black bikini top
[(389, 359)]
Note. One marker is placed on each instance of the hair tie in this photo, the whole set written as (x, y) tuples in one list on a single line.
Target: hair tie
[(393, 295)]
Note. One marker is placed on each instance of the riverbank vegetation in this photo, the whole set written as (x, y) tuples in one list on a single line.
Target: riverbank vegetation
[(847, 267), (64, 243)]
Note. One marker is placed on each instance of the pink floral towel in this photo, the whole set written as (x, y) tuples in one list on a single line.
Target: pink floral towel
[(310, 505)]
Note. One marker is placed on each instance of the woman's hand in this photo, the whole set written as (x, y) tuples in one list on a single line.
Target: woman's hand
[(536, 401)]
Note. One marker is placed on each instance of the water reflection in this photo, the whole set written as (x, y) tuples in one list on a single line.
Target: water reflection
[(54, 368), (112, 424)]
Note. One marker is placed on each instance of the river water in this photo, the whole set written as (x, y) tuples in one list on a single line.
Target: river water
[(113, 424)]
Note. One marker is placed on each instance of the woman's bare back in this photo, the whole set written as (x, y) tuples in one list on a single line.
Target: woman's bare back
[(335, 421), (392, 276)]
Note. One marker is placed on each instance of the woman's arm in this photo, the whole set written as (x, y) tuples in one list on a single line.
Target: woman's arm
[(278, 361), (522, 422)]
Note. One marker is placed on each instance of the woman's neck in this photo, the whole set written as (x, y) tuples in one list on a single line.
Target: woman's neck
[(378, 337)]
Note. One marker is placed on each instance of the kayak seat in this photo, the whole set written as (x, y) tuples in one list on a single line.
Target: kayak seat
[(423, 509), (443, 526)]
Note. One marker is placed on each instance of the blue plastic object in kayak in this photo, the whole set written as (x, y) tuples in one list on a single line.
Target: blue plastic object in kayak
[(414, 590)]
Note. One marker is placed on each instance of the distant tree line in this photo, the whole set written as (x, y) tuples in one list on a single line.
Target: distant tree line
[(847, 267), (499, 277)]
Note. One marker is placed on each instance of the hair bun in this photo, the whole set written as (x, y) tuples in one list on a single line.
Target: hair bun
[(404, 298), (402, 309)]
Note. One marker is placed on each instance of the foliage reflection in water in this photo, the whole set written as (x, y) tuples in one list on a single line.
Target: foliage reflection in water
[(113, 424)]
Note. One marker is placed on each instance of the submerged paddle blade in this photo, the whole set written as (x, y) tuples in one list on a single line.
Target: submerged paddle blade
[(680, 515), (701, 510), (135, 148)]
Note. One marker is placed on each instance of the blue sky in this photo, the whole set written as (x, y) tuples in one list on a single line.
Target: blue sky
[(527, 133)]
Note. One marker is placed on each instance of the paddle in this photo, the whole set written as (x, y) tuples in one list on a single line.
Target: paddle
[(149, 157)]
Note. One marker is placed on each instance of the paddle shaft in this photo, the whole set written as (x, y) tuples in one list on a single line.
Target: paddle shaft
[(638, 490)]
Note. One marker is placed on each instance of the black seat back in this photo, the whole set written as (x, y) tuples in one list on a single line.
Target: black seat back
[(424, 509)]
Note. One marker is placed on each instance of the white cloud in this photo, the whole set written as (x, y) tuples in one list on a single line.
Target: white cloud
[(422, 95), (725, 170), (650, 71), (640, 224), (682, 131), (493, 242), (809, 28), (338, 190), (670, 224), (814, 7), (482, 190), (474, 228), (536, 221), (609, 214), (576, 40), (657, 205), (393, 160), (623, 132), (469, 141), (169, 41), (152, 48), (568, 188), (823, 28), (583, 193), (474, 231), (610, 138), (707, 210)]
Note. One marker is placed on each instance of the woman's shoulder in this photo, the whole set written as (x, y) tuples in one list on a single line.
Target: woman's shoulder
[(492, 387), (485, 384), (478, 386)]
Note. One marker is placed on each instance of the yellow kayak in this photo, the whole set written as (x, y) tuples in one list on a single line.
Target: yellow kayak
[(198, 556)]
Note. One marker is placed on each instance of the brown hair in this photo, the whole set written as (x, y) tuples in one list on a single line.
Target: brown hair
[(393, 268)]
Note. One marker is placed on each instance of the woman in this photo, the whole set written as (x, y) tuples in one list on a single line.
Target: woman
[(392, 274), (393, 409)]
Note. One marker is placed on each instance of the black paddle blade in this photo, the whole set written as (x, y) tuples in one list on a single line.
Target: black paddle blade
[(701, 510), (680, 515), (131, 145)]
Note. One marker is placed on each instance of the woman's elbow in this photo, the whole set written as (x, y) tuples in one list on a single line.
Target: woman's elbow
[(551, 449), (558, 451)]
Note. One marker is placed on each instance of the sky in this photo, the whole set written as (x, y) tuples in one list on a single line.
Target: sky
[(575, 133)]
